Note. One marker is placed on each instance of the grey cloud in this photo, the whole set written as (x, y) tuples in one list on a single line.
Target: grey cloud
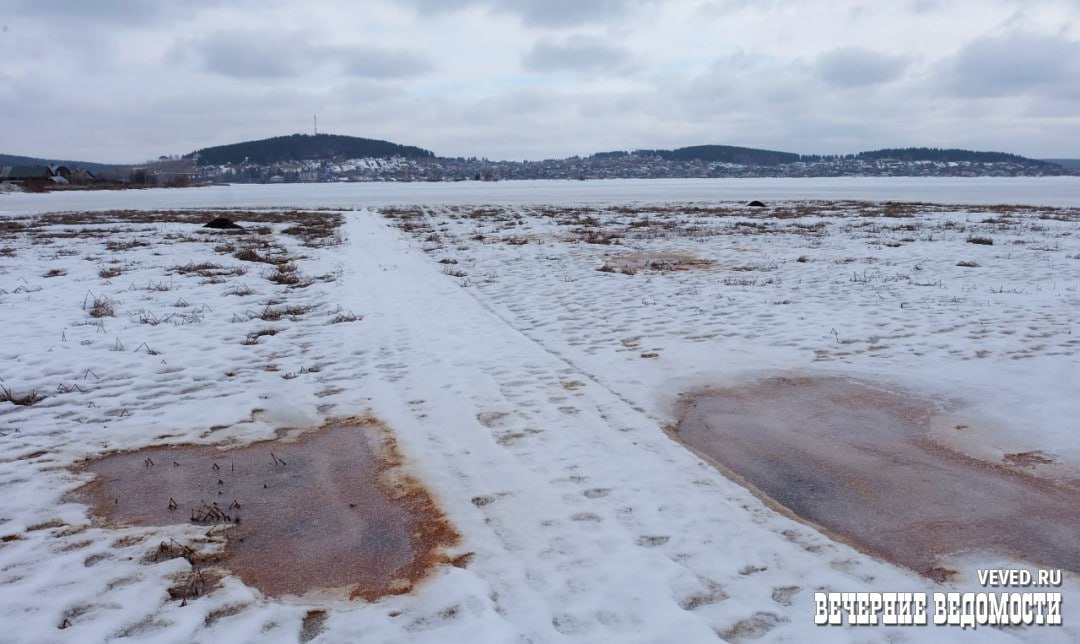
[(725, 7), (578, 53), (749, 85), (250, 55), (543, 13), (924, 6), (856, 67), (566, 13), (105, 11), (369, 62), (758, 101), (428, 7), (169, 120), (257, 55), (1014, 64)]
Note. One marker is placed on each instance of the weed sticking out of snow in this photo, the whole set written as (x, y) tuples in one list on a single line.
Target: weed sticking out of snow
[(23, 400)]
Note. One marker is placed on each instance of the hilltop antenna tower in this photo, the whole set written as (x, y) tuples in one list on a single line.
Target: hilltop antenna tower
[(316, 119)]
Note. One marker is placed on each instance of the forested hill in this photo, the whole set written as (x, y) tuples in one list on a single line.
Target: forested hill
[(758, 157), (297, 147), (715, 154), (14, 159), (939, 154), (1068, 164)]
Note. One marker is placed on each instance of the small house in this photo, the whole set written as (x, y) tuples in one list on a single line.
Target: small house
[(32, 177)]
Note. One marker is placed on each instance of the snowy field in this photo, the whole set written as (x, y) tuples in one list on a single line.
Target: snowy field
[(528, 390)]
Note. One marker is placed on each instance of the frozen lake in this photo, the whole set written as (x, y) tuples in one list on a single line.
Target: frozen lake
[(1043, 191)]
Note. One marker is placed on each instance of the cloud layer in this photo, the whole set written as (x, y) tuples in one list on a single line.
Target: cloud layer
[(267, 55), (125, 80)]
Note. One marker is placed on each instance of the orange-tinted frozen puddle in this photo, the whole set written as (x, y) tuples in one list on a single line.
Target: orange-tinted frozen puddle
[(859, 462), (633, 262), (323, 511)]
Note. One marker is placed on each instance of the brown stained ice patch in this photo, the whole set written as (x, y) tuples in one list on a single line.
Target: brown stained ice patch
[(858, 462), (654, 261), (1027, 459), (328, 510)]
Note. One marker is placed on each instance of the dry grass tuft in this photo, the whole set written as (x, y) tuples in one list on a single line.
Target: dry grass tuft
[(317, 230), (208, 269), (346, 317), (126, 244), (253, 337), (249, 255), (288, 275), (102, 307), (25, 400), (273, 314)]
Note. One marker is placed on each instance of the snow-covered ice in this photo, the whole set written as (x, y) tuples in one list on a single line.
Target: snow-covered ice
[(1042, 191), (526, 389)]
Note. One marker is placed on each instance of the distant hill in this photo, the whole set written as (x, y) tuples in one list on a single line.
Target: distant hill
[(714, 154), (730, 154), (943, 155), (1068, 164), (697, 160), (298, 147), (754, 156), (14, 159)]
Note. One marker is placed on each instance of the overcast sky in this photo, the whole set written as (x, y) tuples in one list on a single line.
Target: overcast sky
[(126, 80)]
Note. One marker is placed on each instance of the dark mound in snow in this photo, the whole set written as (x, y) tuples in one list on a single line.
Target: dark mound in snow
[(756, 204), (223, 223)]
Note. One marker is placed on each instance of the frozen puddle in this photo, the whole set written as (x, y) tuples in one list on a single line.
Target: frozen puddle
[(653, 261), (858, 462), (323, 511)]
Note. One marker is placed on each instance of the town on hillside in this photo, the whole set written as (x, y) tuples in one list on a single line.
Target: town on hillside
[(629, 166), (333, 158)]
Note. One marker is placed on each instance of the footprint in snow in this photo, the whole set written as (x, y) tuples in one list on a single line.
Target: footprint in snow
[(754, 627), (652, 541)]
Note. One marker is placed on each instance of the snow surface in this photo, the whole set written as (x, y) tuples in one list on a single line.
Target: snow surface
[(1043, 191), (515, 382)]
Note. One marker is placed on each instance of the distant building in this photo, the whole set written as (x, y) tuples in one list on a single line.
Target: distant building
[(170, 172), (30, 176), (83, 177), (40, 176)]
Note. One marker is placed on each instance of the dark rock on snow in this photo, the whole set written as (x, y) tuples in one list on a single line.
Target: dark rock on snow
[(223, 223)]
